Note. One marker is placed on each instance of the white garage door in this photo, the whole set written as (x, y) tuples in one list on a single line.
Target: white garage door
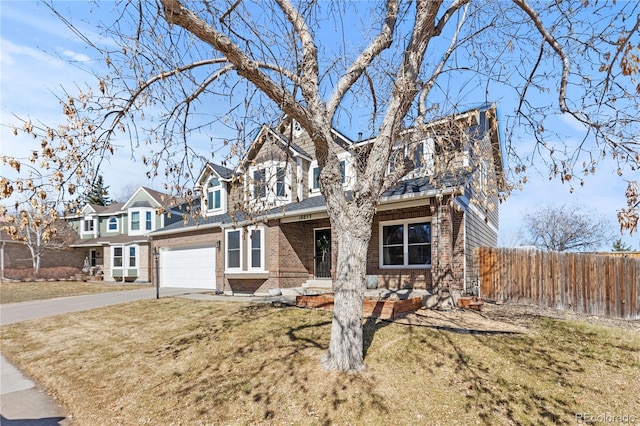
[(193, 267)]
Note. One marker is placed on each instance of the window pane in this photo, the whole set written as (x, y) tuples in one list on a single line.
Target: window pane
[(393, 255), (393, 234), (420, 254), (216, 199), (132, 256), (280, 189), (233, 258), (214, 182), (259, 189), (135, 221), (418, 156), (343, 167), (117, 256), (255, 239), (316, 177), (233, 240), (419, 233), (148, 221), (210, 201), (113, 224), (255, 258)]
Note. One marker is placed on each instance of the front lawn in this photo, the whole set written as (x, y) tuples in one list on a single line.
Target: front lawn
[(178, 361), (13, 292)]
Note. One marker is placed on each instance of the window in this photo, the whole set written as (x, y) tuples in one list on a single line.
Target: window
[(259, 184), (255, 248), (117, 257), (405, 244), (148, 223), (113, 224), (280, 185), (88, 225), (135, 221), (132, 257), (214, 198), (270, 182), (315, 175), (422, 157), (233, 249)]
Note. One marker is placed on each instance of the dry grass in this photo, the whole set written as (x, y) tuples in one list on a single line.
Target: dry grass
[(178, 361), (40, 290)]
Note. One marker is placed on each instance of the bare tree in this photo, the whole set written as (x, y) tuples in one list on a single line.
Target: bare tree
[(411, 63), (39, 228), (567, 228)]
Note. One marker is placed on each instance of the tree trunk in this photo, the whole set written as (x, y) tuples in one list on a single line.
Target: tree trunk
[(345, 351)]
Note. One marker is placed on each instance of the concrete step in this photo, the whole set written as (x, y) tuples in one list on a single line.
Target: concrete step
[(315, 283)]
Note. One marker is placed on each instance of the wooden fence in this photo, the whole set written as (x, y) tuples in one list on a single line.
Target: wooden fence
[(594, 284)]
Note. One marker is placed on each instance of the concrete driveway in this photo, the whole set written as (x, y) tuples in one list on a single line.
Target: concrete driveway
[(16, 312)]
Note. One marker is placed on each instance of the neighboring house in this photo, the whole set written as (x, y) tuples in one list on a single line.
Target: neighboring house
[(15, 255), (424, 231), (115, 237)]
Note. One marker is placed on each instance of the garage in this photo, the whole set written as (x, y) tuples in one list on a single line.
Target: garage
[(188, 267)]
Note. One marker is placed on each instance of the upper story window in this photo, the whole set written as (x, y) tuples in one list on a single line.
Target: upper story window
[(270, 182), (135, 221), (112, 224), (87, 224), (314, 175), (422, 155), (141, 221), (214, 194)]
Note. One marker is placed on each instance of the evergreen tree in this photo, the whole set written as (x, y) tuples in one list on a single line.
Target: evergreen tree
[(98, 194), (619, 245)]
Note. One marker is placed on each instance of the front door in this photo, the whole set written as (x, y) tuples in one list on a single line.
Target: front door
[(322, 253)]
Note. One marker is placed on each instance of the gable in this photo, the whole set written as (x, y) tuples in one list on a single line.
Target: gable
[(143, 197)]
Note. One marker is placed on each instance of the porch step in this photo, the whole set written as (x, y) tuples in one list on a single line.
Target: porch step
[(320, 284)]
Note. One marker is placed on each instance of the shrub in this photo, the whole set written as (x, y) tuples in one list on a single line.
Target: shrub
[(56, 273)]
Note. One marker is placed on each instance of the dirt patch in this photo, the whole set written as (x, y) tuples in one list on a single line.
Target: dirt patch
[(505, 318)]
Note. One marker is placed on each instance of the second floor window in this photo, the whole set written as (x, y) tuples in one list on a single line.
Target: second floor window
[(214, 194), (88, 225), (113, 224), (135, 221), (148, 221), (269, 182)]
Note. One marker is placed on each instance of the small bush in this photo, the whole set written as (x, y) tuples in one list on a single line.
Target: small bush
[(56, 273)]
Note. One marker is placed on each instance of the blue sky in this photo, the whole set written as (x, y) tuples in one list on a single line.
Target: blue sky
[(40, 56)]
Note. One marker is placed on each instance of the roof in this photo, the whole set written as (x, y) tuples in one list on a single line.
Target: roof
[(418, 187), (114, 240)]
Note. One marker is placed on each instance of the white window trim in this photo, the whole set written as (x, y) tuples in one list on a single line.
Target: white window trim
[(113, 257), (428, 157), (117, 224), (142, 220), (405, 248), (223, 197), (226, 250), (270, 169), (128, 256), (82, 225), (249, 253), (349, 175)]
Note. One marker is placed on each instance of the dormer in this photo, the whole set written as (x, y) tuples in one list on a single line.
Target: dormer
[(273, 169), (89, 224), (142, 212), (213, 185)]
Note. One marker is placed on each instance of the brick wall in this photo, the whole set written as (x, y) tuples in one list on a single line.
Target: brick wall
[(18, 256)]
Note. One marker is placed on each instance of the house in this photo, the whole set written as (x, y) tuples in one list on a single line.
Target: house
[(114, 238), (264, 224)]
